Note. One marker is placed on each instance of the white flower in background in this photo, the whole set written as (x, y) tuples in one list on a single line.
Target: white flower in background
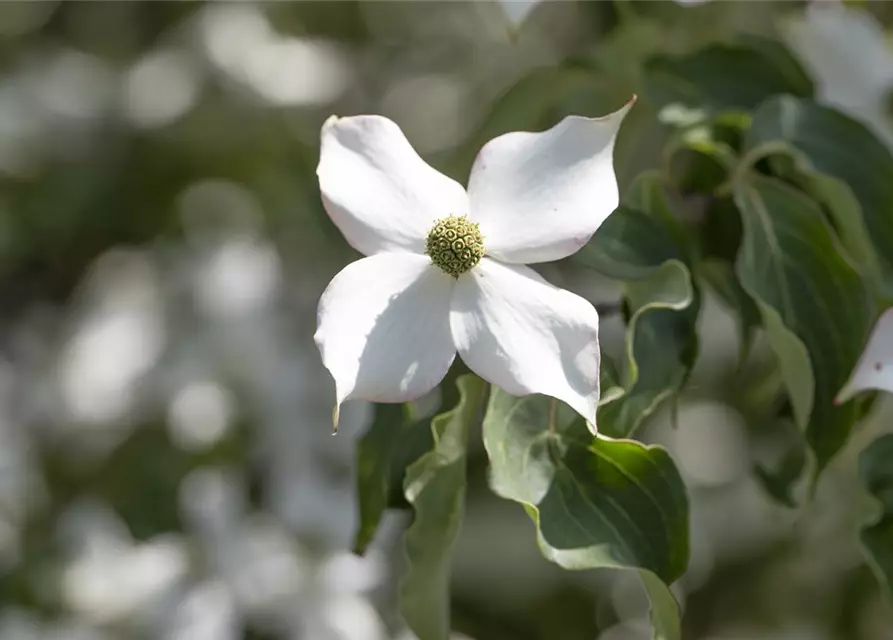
[(445, 267), (847, 52), (875, 367), (516, 11)]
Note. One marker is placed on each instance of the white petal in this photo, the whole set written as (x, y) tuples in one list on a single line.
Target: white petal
[(383, 328), (516, 11), (376, 188), (524, 335), (541, 196), (875, 367)]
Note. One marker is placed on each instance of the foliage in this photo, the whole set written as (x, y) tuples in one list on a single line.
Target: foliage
[(776, 204), (742, 183)]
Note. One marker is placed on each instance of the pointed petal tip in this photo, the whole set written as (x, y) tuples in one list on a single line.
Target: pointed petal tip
[(559, 332), (627, 106), (539, 196), (329, 122), (383, 328), (621, 112), (332, 119), (842, 396), (874, 369), (336, 414)]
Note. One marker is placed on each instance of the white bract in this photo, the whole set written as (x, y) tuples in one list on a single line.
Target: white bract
[(850, 57), (445, 267), (875, 367), (516, 11)]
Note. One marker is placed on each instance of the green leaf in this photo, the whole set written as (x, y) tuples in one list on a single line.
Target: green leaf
[(661, 347), (595, 503), (629, 245), (780, 477), (664, 610), (648, 194), (376, 453), (876, 472), (435, 487), (391, 444), (661, 344), (815, 308), (720, 277), (609, 381), (841, 155), (719, 240), (735, 76), (697, 163), (782, 61)]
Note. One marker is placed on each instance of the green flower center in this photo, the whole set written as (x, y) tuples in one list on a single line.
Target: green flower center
[(455, 244)]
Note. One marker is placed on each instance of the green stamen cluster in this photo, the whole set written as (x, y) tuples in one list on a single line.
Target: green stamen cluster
[(455, 244)]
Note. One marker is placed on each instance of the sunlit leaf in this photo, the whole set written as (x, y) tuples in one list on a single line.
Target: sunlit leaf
[(661, 347), (641, 249), (595, 503), (377, 453), (609, 381), (435, 487)]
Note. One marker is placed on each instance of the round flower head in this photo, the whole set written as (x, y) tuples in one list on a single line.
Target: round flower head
[(455, 245), (445, 270)]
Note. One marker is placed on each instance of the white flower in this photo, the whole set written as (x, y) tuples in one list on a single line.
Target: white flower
[(516, 11), (875, 367), (445, 267), (847, 52)]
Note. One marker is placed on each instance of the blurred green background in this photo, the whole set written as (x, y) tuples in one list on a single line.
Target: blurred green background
[(166, 464)]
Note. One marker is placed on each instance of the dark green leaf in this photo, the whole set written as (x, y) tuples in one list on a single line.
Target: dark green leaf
[(595, 503), (609, 382), (639, 246), (815, 308), (719, 238), (629, 245), (393, 442), (779, 477), (435, 487), (829, 145), (377, 451), (699, 166), (876, 472), (782, 61), (723, 77), (661, 347), (720, 277), (648, 194)]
